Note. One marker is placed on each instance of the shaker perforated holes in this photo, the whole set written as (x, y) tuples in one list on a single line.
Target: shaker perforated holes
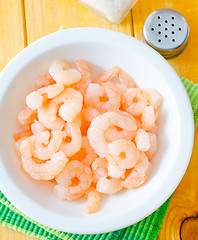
[(167, 31)]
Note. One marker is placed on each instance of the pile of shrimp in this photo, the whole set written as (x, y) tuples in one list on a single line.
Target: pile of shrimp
[(89, 136)]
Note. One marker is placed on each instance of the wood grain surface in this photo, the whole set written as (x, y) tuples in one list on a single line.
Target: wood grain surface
[(24, 21)]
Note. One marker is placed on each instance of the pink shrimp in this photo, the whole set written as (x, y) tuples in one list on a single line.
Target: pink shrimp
[(107, 75), (104, 98), (126, 79), (123, 153), (138, 174), (86, 154), (93, 200), (62, 73), (135, 101), (86, 77), (73, 181), (153, 146), (71, 130), (44, 171), (109, 186), (44, 80), (26, 117), (42, 147)]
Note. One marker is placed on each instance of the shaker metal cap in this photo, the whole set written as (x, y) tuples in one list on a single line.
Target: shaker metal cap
[(167, 31)]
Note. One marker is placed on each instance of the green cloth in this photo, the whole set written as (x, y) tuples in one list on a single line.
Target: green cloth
[(147, 229)]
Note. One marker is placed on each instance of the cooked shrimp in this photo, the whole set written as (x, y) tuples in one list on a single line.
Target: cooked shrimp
[(103, 98), (88, 114), (44, 80), (115, 172), (148, 118), (113, 94), (100, 167), (86, 77), (52, 90), (135, 100), (17, 145), (20, 135), (26, 117), (44, 171), (122, 88), (78, 120), (123, 154), (114, 133), (142, 140), (93, 200), (37, 127), (34, 100), (92, 96), (73, 181), (72, 130), (62, 73), (47, 116), (99, 125), (41, 147), (107, 75), (156, 98), (153, 146), (71, 101), (86, 154), (126, 79), (109, 186), (138, 174)]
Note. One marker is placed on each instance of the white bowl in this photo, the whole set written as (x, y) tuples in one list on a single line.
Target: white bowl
[(102, 49)]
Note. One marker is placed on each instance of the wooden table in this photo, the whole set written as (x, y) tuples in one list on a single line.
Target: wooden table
[(24, 21)]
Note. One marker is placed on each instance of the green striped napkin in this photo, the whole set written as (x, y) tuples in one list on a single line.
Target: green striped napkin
[(147, 229)]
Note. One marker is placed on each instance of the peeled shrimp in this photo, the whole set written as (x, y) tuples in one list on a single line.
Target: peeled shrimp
[(61, 73), (114, 133), (73, 131), (135, 100), (86, 154), (156, 98), (115, 172), (34, 100), (47, 116), (20, 135), (71, 101), (93, 200), (100, 167), (86, 77), (37, 127), (126, 79), (96, 131), (109, 92), (142, 140), (138, 174), (73, 181), (107, 75), (108, 186), (44, 80), (44, 171), (88, 114), (153, 146), (148, 118), (52, 90), (26, 116), (123, 154), (17, 145), (41, 147), (114, 96)]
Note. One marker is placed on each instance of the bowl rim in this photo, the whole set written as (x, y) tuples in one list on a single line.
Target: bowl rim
[(80, 226)]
